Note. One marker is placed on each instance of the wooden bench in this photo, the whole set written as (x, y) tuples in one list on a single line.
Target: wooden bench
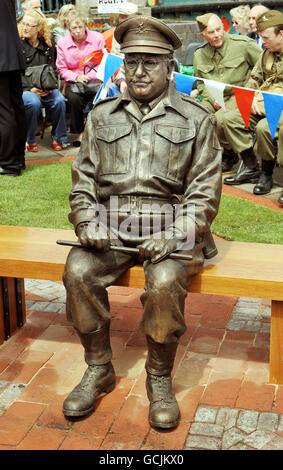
[(240, 269)]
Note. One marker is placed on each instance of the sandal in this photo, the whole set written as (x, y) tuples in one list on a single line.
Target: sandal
[(57, 146), (32, 147)]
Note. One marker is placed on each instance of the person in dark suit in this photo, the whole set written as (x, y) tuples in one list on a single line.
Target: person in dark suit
[(12, 112)]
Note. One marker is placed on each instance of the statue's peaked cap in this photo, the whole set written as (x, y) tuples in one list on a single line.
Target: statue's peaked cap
[(146, 34)]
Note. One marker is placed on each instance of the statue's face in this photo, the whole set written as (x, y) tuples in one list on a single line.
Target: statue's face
[(147, 75)]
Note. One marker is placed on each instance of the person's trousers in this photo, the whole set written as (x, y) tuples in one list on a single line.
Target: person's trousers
[(13, 128), (88, 273), (241, 138), (55, 104), (77, 105)]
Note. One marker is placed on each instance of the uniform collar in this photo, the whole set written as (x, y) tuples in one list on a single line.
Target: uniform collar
[(171, 99)]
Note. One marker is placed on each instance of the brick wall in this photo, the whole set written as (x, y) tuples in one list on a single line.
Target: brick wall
[(187, 32)]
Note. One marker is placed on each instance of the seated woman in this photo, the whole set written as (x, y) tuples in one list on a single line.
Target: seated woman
[(61, 30), (37, 48), (70, 50), (240, 19)]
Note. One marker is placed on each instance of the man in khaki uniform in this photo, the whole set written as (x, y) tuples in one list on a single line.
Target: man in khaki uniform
[(225, 58), (267, 75)]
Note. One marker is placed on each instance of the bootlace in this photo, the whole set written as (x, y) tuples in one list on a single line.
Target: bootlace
[(162, 391)]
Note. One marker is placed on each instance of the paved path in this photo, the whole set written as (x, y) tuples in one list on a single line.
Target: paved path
[(220, 378)]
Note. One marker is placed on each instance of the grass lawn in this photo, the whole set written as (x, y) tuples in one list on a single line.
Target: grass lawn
[(40, 198)]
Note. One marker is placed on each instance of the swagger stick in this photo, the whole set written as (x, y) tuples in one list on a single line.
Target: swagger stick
[(124, 249)]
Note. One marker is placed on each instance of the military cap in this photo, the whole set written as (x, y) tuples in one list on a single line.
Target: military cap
[(202, 21), (268, 19), (146, 34)]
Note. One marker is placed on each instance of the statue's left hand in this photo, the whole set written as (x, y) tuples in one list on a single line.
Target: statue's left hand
[(158, 249), (93, 237)]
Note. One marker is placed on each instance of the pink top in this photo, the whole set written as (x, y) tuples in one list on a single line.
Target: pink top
[(69, 55)]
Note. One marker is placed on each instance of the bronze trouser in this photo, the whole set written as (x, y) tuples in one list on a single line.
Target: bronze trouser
[(88, 273)]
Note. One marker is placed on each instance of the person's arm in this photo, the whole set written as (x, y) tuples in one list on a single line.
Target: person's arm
[(194, 215), (62, 64), (207, 99)]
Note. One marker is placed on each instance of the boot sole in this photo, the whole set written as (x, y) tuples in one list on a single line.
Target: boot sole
[(253, 180), (78, 413), (165, 425)]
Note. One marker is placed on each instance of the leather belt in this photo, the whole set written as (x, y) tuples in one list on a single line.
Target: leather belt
[(131, 203)]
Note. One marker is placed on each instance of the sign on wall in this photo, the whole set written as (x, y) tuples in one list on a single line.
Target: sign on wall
[(108, 6)]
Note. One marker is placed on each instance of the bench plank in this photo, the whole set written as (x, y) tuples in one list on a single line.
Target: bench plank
[(240, 269)]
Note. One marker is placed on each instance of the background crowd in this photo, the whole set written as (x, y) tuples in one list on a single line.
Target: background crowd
[(229, 58)]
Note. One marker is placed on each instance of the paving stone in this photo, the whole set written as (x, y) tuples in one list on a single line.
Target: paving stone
[(202, 443), (247, 420), (268, 421), (259, 439), (280, 424), (206, 414), (275, 444), (237, 325), (206, 429), (232, 437), (227, 417), (9, 392)]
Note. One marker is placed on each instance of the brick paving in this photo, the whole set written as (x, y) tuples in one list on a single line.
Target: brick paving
[(220, 378)]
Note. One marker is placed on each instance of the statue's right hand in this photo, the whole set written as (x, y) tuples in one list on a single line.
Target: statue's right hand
[(92, 236)]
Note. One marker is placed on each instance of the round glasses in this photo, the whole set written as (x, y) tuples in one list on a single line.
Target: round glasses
[(148, 64)]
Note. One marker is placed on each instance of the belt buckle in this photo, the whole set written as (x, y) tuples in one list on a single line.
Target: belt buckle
[(133, 204)]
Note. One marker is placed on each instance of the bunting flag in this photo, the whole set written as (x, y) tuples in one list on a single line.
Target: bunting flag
[(244, 99), (273, 102), (273, 105), (184, 83), (109, 64), (94, 57), (108, 67), (216, 90)]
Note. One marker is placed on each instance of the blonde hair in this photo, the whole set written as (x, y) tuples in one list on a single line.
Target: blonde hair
[(242, 12), (64, 11), (44, 30), (75, 16)]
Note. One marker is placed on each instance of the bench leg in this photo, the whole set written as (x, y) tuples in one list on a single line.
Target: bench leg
[(12, 306), (276, 343)]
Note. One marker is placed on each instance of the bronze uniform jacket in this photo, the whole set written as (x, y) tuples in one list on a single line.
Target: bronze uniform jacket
[(173, 150)]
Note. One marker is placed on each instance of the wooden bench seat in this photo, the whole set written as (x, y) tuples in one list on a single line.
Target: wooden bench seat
[(240, 269)]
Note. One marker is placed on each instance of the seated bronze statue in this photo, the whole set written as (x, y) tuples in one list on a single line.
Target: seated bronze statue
[(148, 176)]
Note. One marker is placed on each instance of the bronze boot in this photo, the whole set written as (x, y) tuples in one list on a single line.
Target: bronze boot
[(164, 410), (99, 378), (96, 381)]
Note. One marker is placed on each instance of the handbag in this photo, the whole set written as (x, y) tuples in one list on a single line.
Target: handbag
[(42, 77), (90, 88)]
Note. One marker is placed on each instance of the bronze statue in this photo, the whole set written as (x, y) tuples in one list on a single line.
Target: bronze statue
[(148, 175)]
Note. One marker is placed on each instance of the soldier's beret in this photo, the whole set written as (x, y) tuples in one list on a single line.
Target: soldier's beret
[(269, 18), (146, 34), (202, 21)]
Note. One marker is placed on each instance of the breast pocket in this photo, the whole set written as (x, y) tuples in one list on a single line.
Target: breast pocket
[(114, 145), (235, 70), (205, 69), (173, 146)]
